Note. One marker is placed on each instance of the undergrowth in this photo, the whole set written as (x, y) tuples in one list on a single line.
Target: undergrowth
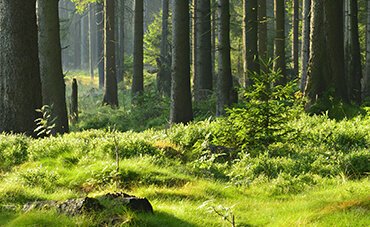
[(253, 162)]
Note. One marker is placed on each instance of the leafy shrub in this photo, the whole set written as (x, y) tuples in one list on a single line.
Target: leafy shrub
[(357, 164), (287, 184), (56, 146), (150, 110), (128, 145), (13, 150), (188, 136), (40, 177), (208, 166), (263, 117)]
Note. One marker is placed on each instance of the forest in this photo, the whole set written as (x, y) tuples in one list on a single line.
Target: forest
[(184, 113)]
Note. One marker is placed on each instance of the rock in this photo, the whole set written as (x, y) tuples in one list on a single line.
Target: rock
[(39, 205), (138, 204), (78, 206), (131, 202)]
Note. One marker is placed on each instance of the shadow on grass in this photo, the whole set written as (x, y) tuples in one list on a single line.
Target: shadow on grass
[(174, 196), (6, 217), (161, 219)]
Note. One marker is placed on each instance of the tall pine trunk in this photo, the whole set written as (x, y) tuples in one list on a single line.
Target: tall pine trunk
[(295, 50), (20, 85), (355, 69), (77, 42), (366, 88), (250, 39), (110, 94), (164, 74), (53, 86), (262, 29), (279, 50), (91, 39), (181, 100), (305, 51), (85, 42), (138, 76), (318, 80), (99, 11), (334, 15), (203, 51), (120, 40), (224, 80)]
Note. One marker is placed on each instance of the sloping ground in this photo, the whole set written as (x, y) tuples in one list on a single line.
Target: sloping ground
[(318, 179), (335, 203)]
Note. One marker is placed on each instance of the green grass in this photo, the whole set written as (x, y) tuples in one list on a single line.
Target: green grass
[(335, 202), (317, 177)]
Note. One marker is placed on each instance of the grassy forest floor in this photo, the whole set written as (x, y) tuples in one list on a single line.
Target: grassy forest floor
[(194, 175)]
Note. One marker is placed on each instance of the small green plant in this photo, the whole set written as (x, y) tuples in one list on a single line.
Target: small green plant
[(263, 117), (13, 150), (40, 177), (225, 213), (46, 123)]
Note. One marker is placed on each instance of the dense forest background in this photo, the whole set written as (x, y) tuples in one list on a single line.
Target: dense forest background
[(218, 112)]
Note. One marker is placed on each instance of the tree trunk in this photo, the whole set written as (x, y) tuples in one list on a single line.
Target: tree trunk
[(366, 88), (138, 76), (20, 85), (91, 41), (262, 29), (120, 40), (110, 95), (74, 102), (164, 74), (100, 42), (250, 40), (280, 39), (318, 80), (181, 104), (203, 61), (77, 43), (295, 51), (53, 86), (335, 46), (85, 42), (355, 70), (305, 42), (225, 80)]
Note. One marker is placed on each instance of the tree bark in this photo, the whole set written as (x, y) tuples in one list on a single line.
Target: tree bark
[(110, 94), (250, 40), (91, 39), (100, 42), (262, 29), (305, 51), (181, 100), (74, 102), (225, 80), (20, 83), (120, 40), (318, 80), (53, 85), (366, 86), (335, 46), (355, 70), (203, 61), (295, 51), (280, 39), (138, 76), (164, 74), (85, 42), (77, 43)]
